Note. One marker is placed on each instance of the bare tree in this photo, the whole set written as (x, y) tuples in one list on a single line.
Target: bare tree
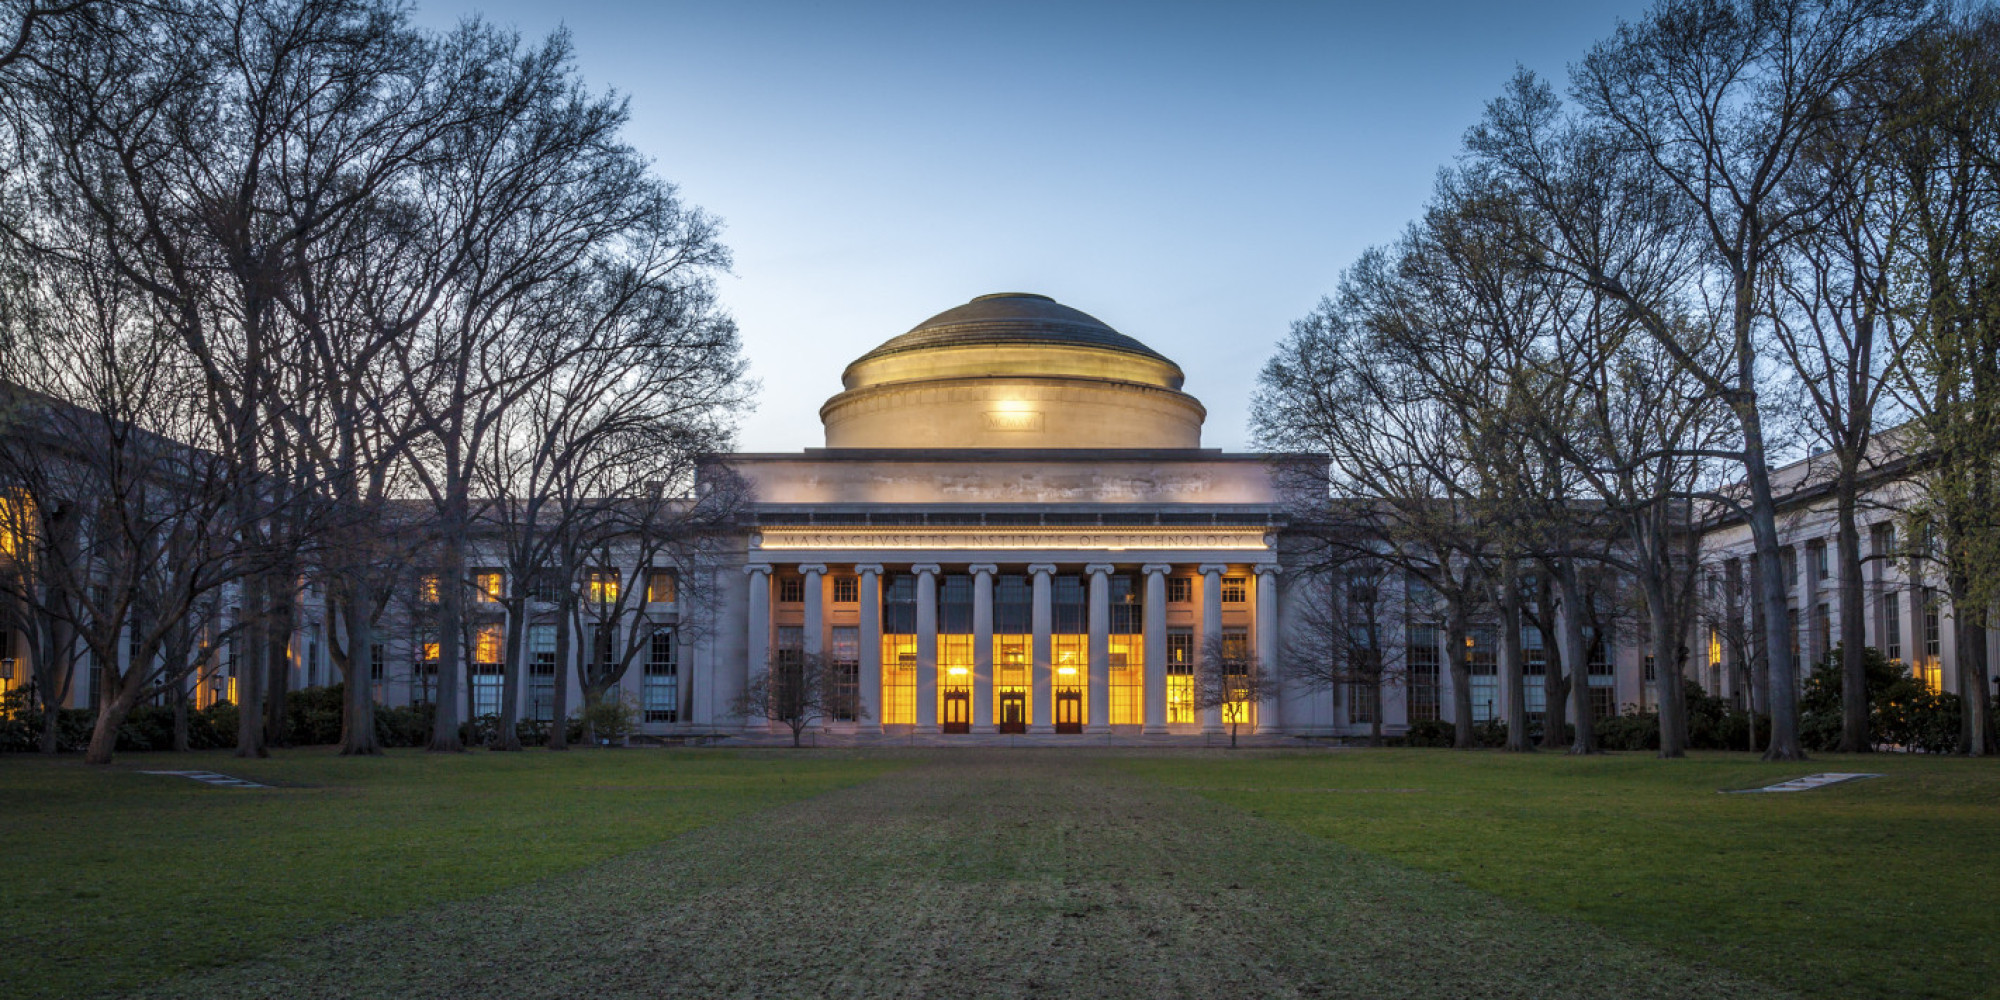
[(1345, 642), (799, 689), (1229, 677)]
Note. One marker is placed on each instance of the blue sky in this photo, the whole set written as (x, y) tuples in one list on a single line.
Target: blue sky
[(1195, 175)]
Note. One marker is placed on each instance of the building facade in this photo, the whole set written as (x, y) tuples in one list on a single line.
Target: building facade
[(1013, 529)]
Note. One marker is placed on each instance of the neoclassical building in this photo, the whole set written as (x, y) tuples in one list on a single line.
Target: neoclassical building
[(1013, 528)]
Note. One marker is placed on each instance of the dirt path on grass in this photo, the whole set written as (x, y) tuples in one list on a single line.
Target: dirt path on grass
[(976, 873)]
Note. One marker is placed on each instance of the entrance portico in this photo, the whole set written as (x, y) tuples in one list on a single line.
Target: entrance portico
[(963, 675)]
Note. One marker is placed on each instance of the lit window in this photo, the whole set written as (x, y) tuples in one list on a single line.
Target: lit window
[(601, 586), (17, 524), (661, 587), (486, 585), (427, 588), (486, 644)]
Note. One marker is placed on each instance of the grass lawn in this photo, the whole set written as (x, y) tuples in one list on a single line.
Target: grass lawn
[(1885, 887), (115, 879)]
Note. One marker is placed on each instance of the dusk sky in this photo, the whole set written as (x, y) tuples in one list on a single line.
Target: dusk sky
[(1194, 175)]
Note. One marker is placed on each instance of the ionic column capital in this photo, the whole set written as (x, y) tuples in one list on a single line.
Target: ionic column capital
[(1042, 569), (931, 568), (1100, 569), (812, 569), (868, 569), (983, 569), (1267, 570), (1215, 569), (756, 568), (1156, 569)]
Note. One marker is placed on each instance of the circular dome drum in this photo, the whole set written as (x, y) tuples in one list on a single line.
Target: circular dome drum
[(1012, 370)]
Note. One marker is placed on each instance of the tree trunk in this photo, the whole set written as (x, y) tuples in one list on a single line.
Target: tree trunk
[(112, 709), (1975, 726), (358, 736), (249, 670), (278, 658), (1458, 660), (1666, 667), (450, 622), (513, 660), (1777, 639), (1853, 634), (1578, 657), (559, 705), (1513, 691), (180, 716)]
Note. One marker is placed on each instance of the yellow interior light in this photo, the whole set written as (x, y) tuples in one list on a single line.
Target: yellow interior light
[(955, 671), (1066, 670)]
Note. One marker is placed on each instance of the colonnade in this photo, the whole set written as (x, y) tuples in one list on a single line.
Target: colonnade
[(1264, 638)]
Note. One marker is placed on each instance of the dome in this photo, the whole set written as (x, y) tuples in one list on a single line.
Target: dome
[(1012, 370)]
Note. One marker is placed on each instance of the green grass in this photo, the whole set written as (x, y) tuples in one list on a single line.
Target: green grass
[(1883, 887), (115, 878)]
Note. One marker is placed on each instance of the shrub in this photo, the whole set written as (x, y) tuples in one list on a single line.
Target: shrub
[(1910, 716), (1631, 731), (404, 725), (313, 716), (610, 720), (1429, 733)]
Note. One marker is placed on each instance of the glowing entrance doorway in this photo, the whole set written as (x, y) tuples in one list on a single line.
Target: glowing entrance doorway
[(1069, 711), (1013, 712)]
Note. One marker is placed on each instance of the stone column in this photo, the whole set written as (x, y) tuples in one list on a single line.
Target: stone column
[(1156, 646), (1043, 711), (1211, 637), (870, 653), (815, 625), (1099, 718), (757, 645), (982, 647), (927, 660), (1269, 718)]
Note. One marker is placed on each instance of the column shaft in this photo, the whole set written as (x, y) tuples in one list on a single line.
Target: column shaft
[(1043, 711), (1156, 646), (982, 647), (870, 653), (1099, 708), (815, 623), (1270, 684), (757, 644), (927, 647), (1210, 642)]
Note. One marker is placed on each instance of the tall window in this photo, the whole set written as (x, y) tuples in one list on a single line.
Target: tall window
[(1422, 657), (1535, 667), (846, 670), (312, 654), (661, 693), (1485, 675), (542, 673), (423, 686), (1603, 676), (1180, 675), (1070, 644), (486, 671), (1127, 644), (1931, 672), (899, 649), (1235, 589), (487, 586), (1892, 626), (1236, 661), (661, 587)]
